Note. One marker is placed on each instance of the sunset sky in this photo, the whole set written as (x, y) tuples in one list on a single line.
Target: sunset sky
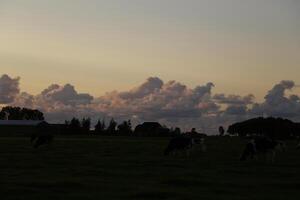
[(241, 46)]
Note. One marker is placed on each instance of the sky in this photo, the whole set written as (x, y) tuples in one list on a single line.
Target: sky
[(241, 46)]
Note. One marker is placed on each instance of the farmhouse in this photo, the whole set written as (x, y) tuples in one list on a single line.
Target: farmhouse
[(26, 127)]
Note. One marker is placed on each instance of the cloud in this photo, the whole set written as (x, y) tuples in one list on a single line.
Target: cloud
[(57, 102), (278, 104), (61, 103), (9, 89), (150, 86), (276, 95), (172, 103), (202, 91), (236, 110), (66, 95), (24, 100), (155, 100), (234, 99)]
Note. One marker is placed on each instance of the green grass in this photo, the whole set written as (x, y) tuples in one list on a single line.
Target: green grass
[(134, 168)]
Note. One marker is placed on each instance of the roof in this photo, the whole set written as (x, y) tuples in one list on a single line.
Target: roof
[(151, 124), (20, 122)]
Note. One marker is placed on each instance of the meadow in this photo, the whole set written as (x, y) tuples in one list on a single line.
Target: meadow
[(120, 167)]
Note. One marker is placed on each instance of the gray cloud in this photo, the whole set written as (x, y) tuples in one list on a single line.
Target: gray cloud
[(171, 103), (150, 86), (9, 89), (278, 104), (24, 100), (57, 102), (276, 95), (234, 99), (236, 110), (155, 100), (66, 95)]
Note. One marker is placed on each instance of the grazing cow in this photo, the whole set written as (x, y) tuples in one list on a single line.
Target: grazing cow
[(298, 143), (183, 143), (261, 145), (42, 136), (41, 139)]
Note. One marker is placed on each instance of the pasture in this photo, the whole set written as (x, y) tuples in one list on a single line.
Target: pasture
[(135, 168)]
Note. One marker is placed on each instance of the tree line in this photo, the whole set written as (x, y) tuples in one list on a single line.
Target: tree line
[(83, 126), (271, 127), (17, 113)]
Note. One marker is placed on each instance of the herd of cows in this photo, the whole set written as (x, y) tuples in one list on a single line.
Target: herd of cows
[(184, 144), (256, 146)]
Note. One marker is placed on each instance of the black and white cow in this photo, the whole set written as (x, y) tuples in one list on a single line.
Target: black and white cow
[(42, 136), (183, 143), (41, 139), (262, 146)]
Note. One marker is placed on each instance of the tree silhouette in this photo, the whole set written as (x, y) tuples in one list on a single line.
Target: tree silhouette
[(17, 113), (100, 127), (111, 129), (175, 131), (221, 130), (271, 127), (74, 126), (86, 125), (125, 128), (12, 113)]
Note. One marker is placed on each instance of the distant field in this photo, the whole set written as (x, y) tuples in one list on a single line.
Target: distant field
[(134, 168)]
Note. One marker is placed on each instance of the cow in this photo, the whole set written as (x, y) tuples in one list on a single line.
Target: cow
[(42, 136), (183, 143), (298, 143), (38, 140), (262, 146)]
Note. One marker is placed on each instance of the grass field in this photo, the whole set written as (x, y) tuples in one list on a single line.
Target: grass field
[(134, 168)]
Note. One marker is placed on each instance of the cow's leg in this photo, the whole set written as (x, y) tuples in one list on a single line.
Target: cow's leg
[(269, 156), (50, 142), (254, 156), (273, 154), (203, 148), (187, 152), (266, 156), (174, 152)]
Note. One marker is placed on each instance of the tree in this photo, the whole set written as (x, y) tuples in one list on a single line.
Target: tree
[(29, 114), (12, 113), (221, 130), (271, 127), (100, 127), (86, 124), (193, 131), (177, 131), (74, 126), (111, 129), (2, 115), (17, 113), (125, 128)]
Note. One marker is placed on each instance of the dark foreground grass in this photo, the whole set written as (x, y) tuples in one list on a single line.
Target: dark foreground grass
[(134, 168)]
